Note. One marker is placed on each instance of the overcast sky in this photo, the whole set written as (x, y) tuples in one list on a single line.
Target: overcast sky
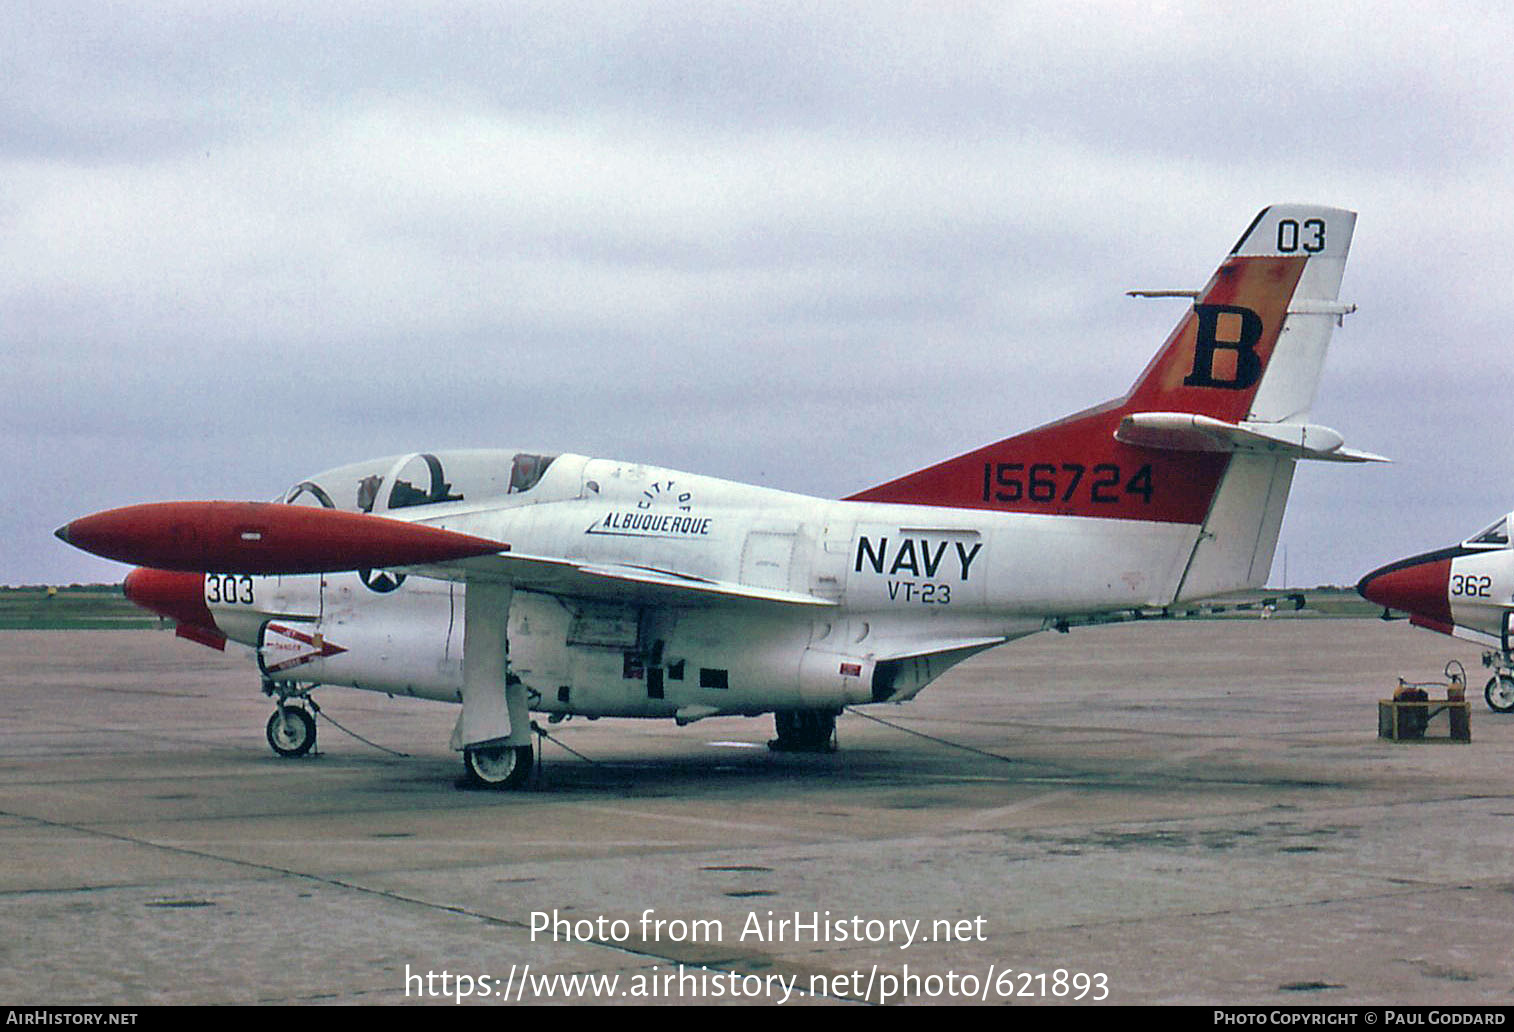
[(813, 246)]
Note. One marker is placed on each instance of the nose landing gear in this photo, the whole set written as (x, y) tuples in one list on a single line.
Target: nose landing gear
[(291, 728), (1499, 692), (291, 731)]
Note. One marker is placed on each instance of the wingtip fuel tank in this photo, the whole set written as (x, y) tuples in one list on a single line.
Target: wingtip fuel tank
[(264, 538)]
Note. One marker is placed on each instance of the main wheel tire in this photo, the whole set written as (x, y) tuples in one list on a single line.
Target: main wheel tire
[(291, 731), (810, 731), (1500, 693), (498, 766)]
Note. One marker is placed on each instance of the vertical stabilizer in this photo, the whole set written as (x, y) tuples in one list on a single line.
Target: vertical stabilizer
[(1209, 432), (1239, 537), (1286, 393)]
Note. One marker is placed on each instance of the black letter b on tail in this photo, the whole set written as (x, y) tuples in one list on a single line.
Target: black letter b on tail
[(1248, 366)]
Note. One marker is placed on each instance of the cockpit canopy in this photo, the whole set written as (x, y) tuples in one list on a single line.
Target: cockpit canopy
[(1496, 536), (422, 478)]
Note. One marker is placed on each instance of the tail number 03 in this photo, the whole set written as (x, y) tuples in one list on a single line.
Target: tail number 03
[(1308, 237)]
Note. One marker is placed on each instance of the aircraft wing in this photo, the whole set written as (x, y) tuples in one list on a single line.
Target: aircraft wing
[(272, 538), (616, 582)]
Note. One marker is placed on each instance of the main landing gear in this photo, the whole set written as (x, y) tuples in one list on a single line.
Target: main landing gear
[(291, 728), (1500, 689), (812, 731), (497, 766)]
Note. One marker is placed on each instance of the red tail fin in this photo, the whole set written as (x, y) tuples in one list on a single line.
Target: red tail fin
[(1213, 364)]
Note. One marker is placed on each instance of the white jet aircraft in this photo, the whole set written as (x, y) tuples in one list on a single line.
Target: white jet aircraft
[(512, 582), (1466, 591)]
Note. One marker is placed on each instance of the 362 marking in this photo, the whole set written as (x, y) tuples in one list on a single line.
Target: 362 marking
[(1468, 586)]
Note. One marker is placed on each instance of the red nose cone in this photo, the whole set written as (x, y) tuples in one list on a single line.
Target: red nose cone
[(179, 596), (1414, 586)]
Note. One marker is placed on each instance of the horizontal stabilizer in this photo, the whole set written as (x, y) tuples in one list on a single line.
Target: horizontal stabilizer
[(1191, 432), (1338, 309)]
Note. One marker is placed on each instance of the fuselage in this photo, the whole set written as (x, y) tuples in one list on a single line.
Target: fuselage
[(899, 593)]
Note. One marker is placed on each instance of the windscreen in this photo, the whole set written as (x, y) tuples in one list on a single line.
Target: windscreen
[(420, 479)]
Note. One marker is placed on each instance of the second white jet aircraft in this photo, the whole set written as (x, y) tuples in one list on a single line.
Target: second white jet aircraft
[(1466, 591)]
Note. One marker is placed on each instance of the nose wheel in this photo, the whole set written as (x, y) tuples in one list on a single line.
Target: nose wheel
[(291, 728), (291, 731), (1499, 692)]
